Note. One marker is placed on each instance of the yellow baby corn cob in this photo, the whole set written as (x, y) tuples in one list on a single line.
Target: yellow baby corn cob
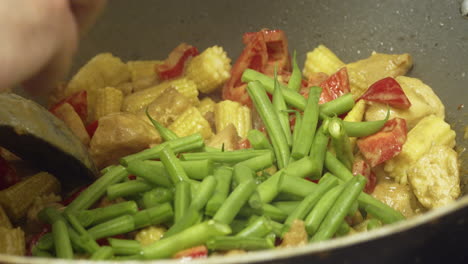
[(109, 100), (17, 198), (356, 115), (143, 98), (321, 59), (206, 105), (101, 71), (209, 69), (431, 130), (12, 241), (227, 112), (189, 122)]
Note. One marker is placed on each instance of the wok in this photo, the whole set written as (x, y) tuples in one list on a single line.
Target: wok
[(434, 32)]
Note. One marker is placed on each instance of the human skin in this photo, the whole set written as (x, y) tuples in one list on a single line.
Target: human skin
[(38, 39)]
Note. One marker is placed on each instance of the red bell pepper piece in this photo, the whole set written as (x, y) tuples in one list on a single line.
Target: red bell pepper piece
[(32, 241), (387, 91), (263, 50), (361, 167), (244, 144), (91, 128), (8, 175), (194, 252), (337, 84), (78, 101), (385, 144), (174, 65)]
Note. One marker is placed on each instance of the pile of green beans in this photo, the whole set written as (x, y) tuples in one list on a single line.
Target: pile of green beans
[(212, 197)]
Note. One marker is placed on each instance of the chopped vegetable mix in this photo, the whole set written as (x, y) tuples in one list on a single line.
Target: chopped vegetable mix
[(281, 160)]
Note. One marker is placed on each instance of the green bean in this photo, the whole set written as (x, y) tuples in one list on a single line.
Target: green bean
[(126, 189), (124, 246), (296, 76), (156, 197), (36, 252), (183, 144), (303, 209), (237, 225), (245, 243), (308, 126), (152, 171), (190, 237), (340, 208), (260, 227), (103, 253), (62, 242), (204, 193), (45, 242), (165, 133), (318, 213), (343, 229), (337, 106), (96, 190), (241, 174), (231, 157), (223, 177), (198, 169), (235, 201), (258, 140), (341, 143), (173, 166), (286, 206), (267, 210), (270, 119), (363, 129), (280, 106), (318, 149), (153, 216), (120, 225), (85, 237), (373, 224), (381, 211), (182, 199), (291, 97), (260, 162), (297, 126), (191, 217), (99, 215), (296, 186)]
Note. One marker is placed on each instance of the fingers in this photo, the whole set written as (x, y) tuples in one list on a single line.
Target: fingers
[(86, 12)]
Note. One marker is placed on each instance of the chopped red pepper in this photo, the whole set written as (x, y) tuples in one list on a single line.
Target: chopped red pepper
[(387, 91), (8, 175), (32, 241), (194, 252), (78, 101), (244, 144), (174, 65), (361, 167), (91, 128), (385, 144), (337, 84), (263, 50)]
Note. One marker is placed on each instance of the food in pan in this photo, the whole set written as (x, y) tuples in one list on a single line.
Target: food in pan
[(285, 158)]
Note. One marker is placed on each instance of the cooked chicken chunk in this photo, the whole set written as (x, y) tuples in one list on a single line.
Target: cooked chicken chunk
[(118, 135), (424, 102), (296, 236), (228, 138), (435, 177), (365, 72), (398, 196)]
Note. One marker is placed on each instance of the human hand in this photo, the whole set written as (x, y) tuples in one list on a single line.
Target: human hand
[(39, 39)]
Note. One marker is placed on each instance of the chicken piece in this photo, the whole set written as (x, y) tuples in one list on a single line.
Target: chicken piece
[(68, 115), (398, 196), (166, 108), (101, 71), (435, 177), (430, 131), (365, 72), (227, 137), (33, 224), (296, 236), (424, 102), (12, 241), (4, 220), (149, 235), (118, 135)]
